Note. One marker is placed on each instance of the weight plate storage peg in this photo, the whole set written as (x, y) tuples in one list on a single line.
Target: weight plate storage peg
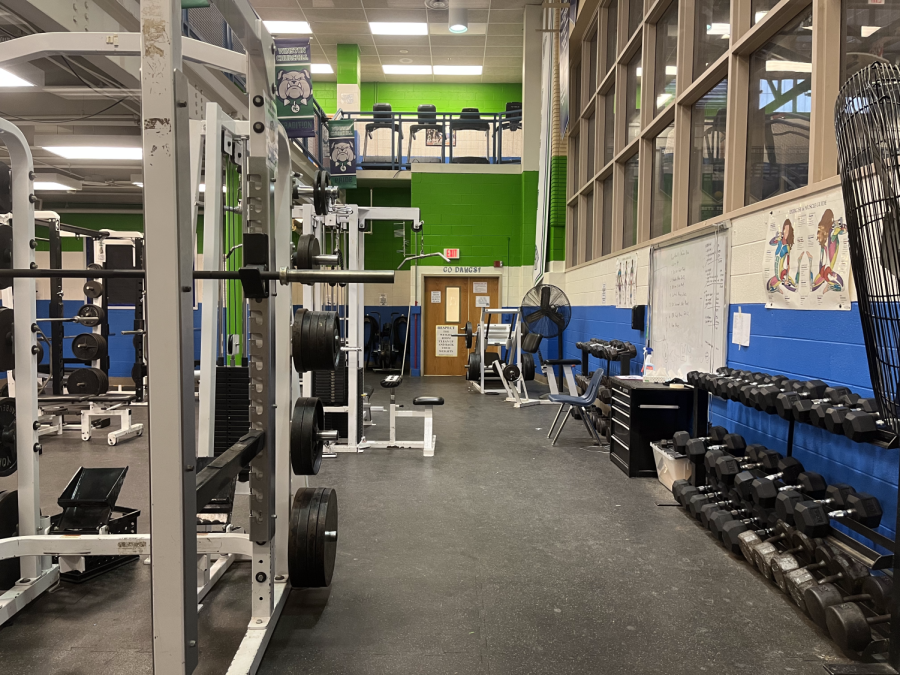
[(306, 252), (93, 288), (312, 537), (87, 382), (307, 443), (93, 315), (8, 457), (89, 346), (315, 340)]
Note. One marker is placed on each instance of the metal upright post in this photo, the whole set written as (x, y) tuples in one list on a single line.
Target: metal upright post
[(169, 245), (354, 340), (57, 365)]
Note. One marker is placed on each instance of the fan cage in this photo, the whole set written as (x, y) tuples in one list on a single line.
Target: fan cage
[(537, 304), (867, 125)]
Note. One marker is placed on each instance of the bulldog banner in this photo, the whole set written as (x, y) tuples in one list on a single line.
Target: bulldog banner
[(293, 77), (342, 153)]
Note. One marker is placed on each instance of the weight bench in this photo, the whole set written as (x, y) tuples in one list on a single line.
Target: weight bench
[(566, 365), (427, 404), (103, 406)]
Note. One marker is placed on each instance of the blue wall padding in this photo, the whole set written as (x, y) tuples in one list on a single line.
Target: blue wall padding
[(605, 323)]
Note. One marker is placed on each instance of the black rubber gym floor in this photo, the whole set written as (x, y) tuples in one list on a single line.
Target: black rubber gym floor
[(498, 555)]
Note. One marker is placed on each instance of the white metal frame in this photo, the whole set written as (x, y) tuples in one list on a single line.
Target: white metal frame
[(426, 412), (485, 340)]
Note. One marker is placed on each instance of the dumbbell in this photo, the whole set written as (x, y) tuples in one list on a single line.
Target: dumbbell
[(720, 521), (808, 389), (795, 581), (812, 519), (696, 502), (765, 492), (748, 538), (788, 470), (850, 628), (835, 416), (764, 554), (802, 407), (823, 415), (864, 424), (729, 503), (762, 397), (842, 571), (785, 563), (728, 466), (681, 438), (835, 496), (876, 590), (733, 530)]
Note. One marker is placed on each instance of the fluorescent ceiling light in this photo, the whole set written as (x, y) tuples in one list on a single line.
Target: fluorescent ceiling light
[(639, 71), (776, 66), (396, 28), (55, 182), (93, 152), (723, 29), (458, 21), (137, 179), (866, 31), (288, 27), (322, 68), (758, 16), (7, 79), (457, 70), (406, 70), (662, 99)]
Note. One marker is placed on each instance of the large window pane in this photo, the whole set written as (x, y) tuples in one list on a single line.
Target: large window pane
[(588, 204), (666, 49), (633, 98), (575, 93), (612, 31), (778, 118), (629, 226), (606, 225), (590, 147), (759, 8), (573, 233), (870, 34), (707, 179), (573, 164), (712, 33), (661, 193), (609, 125), (635, 15), (592, 72)]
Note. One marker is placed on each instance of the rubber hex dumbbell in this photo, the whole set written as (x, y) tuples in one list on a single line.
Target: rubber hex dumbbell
[(723, 521), (765, 397), (729, 466), (808, 389), (732, 388), (813, 520), (681, 438), (876, 590), (789, 470), (727, 504), (732, 531), (864, 424), (695, 502), (765, 492), (822, 413), (802, 407), (800, 546), (850, 628), (835, 497), (835, 416)]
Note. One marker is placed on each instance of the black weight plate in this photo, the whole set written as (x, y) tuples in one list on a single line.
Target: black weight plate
[(93, 313), (95, 266), (511, 372), (307, 249), (312, 530), (472, 367), (326, 538), (528, 366), (8, 457), (6, 242), (468, 333), (307, 419), (40, 353), (9, 527), (296, 341), (7, 353), (87, 382), (138, 371), (318, 194), (298, 556), (89, 346), (326, 181), (93, 288)]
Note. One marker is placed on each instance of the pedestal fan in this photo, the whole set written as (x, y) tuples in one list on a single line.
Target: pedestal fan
[(546, 311)]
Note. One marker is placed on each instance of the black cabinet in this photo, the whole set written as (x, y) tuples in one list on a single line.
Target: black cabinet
[(642, 413)]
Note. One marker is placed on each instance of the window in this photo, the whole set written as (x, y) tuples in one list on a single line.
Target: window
[(666, 49), (707, 178), (606, 226), (635, 15), (870, 35), (630, 223), (573, 233), (661, 189), (633, 98), (592, 66), (573, 164), (588, 203), (759, 8), (612, 30), (590, 147), (609, 126), (575, 92), (778, 118), (711, 34)]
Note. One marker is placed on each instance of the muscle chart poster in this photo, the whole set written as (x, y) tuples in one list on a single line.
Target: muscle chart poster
[(806, 260), (626, 280)]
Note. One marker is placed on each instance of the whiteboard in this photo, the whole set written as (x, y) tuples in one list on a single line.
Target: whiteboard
[(688, 304)]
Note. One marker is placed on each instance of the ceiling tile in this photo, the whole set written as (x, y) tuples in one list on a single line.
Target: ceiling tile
[(439, 51), (326, 38), (507, 15), (458, 79), (393, 4), (280, 13), (473, 59), (509, 4), (407, 78), (438, 16), (404, 15), (329, 4), (473, 4), (505, 29), (401, 40), (367, 50), (411, 52), (332, 15), (505, 40), (478, 15), (373, 61), (347, 28), (491, 50), (504, 61), (460, 41), (416, 60), (259, 4)]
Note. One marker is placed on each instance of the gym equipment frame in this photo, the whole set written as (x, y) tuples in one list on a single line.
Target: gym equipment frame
[(498, 334)]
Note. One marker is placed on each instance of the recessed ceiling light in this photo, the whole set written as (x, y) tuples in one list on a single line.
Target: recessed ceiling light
[(288, 27), (322, 68), (404, 51), (7, 79), (94, 152), (457, 70), (55, 182), (439, 5), (406, 70), (406, 60), (395, 28)]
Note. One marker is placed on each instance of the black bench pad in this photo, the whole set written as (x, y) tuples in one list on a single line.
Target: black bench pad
[(563, 362), (391, 381), (428, 400)]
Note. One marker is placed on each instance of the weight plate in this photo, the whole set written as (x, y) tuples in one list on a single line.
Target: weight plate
[(93, 315), (315, 340), (95, 266), (7, 353), (138, 341), (307, 420), (8, 456), (89, 346), (298, 558), (307, 249), (528, 366), (473, 369), (138, 371), (326, 537), (511, 372), (87, 382), (325, 182), (468, 332), (319, 194), (93, 288), (40, 353)]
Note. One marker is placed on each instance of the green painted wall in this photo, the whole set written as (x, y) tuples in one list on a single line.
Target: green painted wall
[(405, 97), (325, 94), (383, 249), (348, 67), (556, 237)]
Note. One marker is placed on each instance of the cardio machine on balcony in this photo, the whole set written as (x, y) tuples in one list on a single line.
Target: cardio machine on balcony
[(426, 121), (383, 118), (470, 120)]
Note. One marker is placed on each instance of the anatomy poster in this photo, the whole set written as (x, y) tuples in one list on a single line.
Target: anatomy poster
[(626, 280), (806, 263)]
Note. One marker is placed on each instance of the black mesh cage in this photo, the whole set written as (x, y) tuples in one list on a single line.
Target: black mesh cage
[(867, 125)]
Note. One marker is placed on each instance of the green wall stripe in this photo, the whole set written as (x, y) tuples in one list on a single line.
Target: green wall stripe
[(556, 237), (348, 68)]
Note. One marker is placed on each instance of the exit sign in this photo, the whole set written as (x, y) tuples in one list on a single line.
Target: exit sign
[(451, 253)]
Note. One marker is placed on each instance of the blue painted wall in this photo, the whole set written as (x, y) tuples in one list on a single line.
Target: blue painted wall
[(605, 323)]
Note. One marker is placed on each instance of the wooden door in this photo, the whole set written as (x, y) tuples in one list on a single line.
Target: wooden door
[(449, 302)]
